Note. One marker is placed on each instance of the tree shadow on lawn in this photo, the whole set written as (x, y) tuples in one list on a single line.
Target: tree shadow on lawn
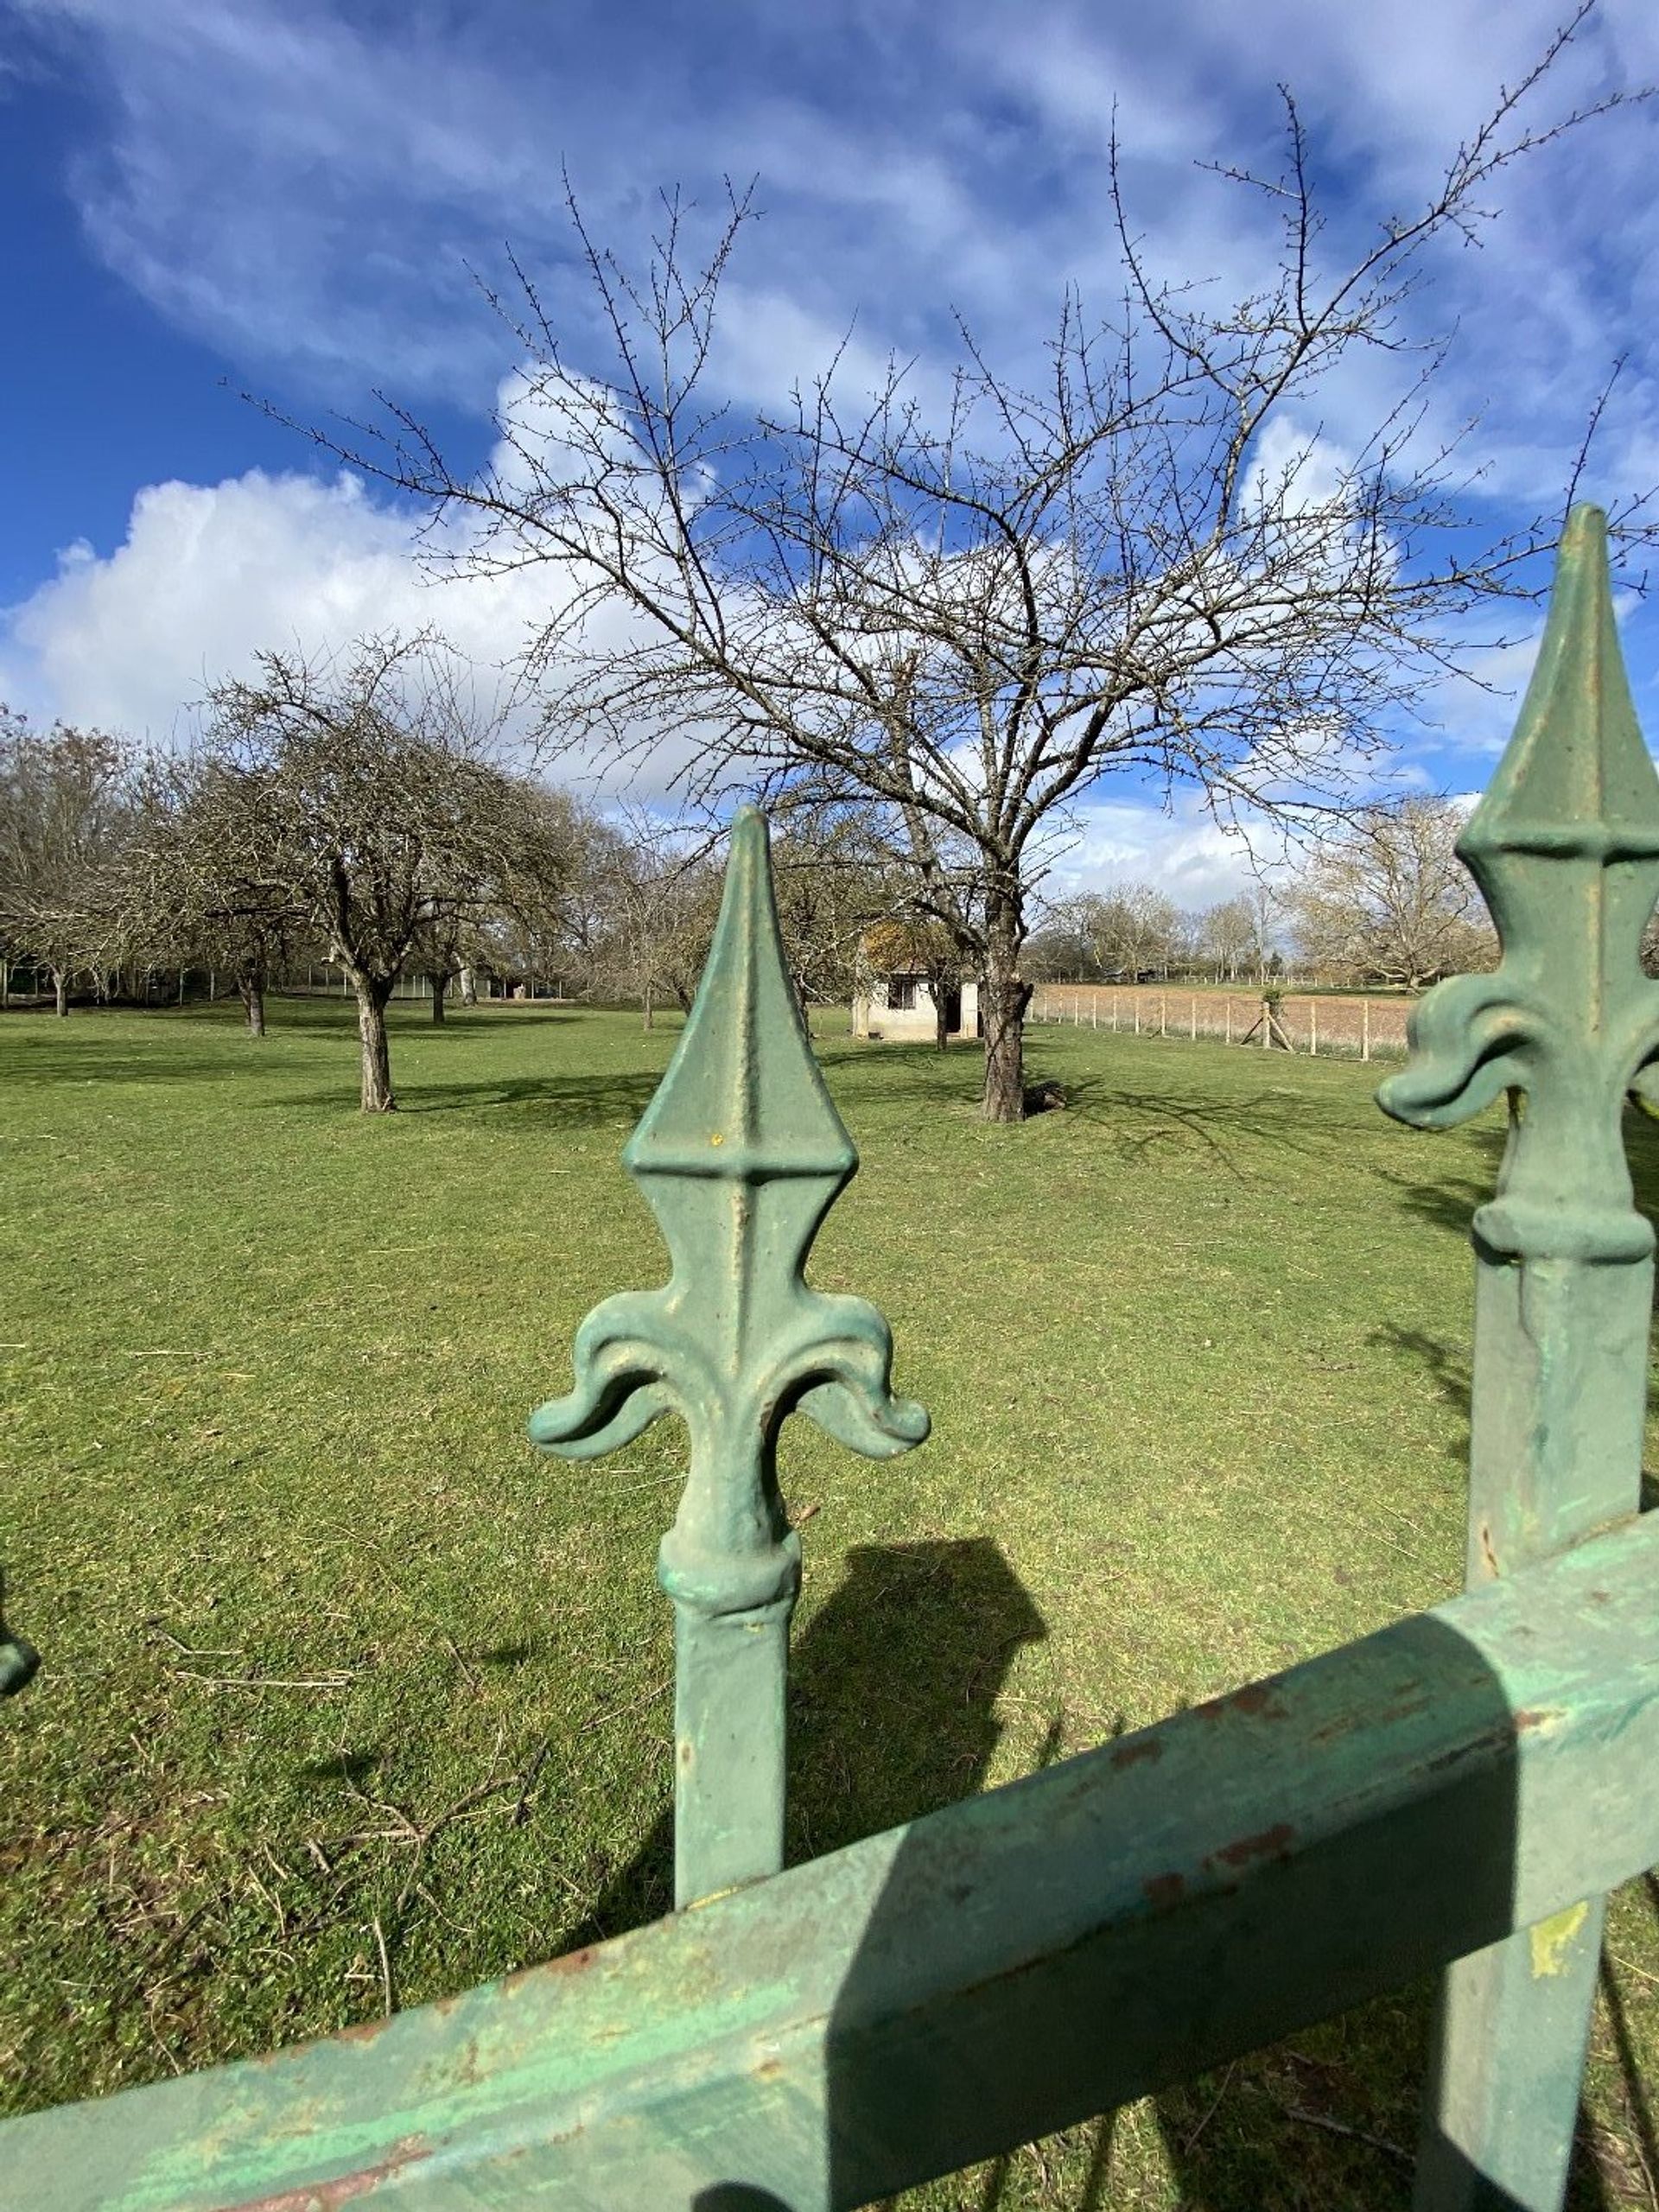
[(565, 1102), (1270, 1117)]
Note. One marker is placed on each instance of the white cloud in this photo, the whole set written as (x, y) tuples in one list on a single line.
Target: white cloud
[(1181, 849), (208, 574)]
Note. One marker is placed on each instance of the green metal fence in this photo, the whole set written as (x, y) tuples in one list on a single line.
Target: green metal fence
[(1458, 1791)]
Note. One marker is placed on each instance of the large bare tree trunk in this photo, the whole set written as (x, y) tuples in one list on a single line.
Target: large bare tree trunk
[(439, 986), (371, 996), (61, 988), (1003, 1000), (468, 988), (251, 990)]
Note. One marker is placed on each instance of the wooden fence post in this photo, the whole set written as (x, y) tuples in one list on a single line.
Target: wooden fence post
[(1565, 847)]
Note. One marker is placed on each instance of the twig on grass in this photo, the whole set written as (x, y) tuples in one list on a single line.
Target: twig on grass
[(264, 1682), (532, 1775), (385, 1966), (199, 1651), (616, 1712), (1215, 2107), (1300, 2113), (454, 1653)]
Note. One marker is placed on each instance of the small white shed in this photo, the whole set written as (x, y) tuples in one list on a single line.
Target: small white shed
[(901, 1006)]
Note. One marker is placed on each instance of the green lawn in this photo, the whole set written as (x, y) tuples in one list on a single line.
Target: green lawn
[(345, 1688)]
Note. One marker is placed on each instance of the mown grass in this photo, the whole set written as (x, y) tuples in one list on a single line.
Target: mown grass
[(344, 1689)]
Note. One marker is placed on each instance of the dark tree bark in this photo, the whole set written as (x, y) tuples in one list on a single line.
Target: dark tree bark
[(251, 990), (372, 993), (440, 985), (1004, 996)]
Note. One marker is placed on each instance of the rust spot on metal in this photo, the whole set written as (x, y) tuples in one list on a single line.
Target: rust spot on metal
[(1486, 1551), (365, 2030), (1131, 1754), (1258, 1700), (769, 2069), (1165, 1890), (1271, 1843), (574, 1961), (1531, 1717), (324, 2196)]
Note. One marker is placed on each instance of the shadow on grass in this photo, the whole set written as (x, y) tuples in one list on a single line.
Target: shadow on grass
[(564, 1102), (1293, 2127), (893, 1692)]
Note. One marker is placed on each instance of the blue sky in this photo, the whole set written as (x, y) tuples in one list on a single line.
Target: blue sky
[(291, 196)]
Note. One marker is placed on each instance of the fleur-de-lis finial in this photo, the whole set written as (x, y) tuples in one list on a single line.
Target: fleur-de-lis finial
[(740, 1155), (1565, 847), (19, 1662)]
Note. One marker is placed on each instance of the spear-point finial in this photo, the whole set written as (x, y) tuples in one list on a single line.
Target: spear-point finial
[(740, 1155), (1565, 846)]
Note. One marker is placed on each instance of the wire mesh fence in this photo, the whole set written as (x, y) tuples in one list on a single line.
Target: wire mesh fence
[(1318, 1023)]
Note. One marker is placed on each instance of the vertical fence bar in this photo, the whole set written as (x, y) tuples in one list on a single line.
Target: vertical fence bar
[(1313, 1029), (1229, 1021), (1365, 1029), (1114, 1014), (1195, 1017), (740, 1156), (1565, 847)]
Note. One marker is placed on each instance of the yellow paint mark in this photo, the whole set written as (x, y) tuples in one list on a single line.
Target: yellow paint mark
[(717, 1138), (1552, 1939)]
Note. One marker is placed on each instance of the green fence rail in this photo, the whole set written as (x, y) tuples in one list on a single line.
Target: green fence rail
[(1458, 1791)]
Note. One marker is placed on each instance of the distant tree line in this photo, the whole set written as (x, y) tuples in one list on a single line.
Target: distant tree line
[(1382, 902), (361, 813)]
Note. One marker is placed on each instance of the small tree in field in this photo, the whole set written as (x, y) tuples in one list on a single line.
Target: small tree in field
[(372, 807), (200, 881), (1145, 560), (1229, 937), (66, 811), (1389, 901)]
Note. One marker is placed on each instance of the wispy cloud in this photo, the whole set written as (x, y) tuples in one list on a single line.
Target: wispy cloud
[(308, 187)]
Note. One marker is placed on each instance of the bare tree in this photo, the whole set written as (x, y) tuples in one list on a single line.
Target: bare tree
[(969, 611), (1388, 902), (66, 809), (524, 902), (200, 880), (378, 815), (1229, 939)]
